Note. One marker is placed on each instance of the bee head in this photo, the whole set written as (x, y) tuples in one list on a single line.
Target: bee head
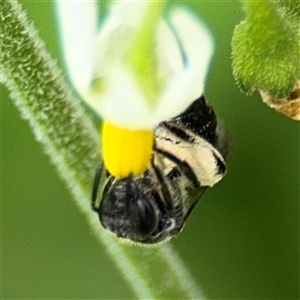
[(126, 211)]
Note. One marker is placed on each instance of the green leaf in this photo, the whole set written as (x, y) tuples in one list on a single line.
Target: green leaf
[(265, 49)]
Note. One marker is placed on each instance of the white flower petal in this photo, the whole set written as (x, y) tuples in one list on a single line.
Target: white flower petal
[(197, 42), (78, 29), (122, 102), (117, 32), (126, 104), (168, 51), (184, 50), (188, 84), (129, 13)]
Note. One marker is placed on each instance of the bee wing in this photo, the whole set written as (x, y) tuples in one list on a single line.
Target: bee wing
[(224, 141), (194, 195)]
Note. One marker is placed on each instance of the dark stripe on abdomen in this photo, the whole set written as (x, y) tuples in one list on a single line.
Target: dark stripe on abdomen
[(178, 132), (183, 166), (220, 165)]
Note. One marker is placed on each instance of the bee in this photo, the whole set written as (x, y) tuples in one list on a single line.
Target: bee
[(189, 155)]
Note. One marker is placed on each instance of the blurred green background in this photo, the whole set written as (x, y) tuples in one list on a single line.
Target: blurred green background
[(242, 240)]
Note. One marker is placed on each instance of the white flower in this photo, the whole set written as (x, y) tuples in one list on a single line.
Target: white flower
[(135, 71)]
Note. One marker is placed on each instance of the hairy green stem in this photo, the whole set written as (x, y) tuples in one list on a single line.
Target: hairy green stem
[(71, 141)]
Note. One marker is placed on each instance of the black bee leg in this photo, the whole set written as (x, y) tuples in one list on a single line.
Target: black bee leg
[(165, 190), (95, 188)]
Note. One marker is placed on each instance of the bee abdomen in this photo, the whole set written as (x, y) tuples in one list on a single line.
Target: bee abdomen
[(184, 166)]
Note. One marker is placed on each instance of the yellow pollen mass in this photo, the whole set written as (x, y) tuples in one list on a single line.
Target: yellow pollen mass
[(125, 151)]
